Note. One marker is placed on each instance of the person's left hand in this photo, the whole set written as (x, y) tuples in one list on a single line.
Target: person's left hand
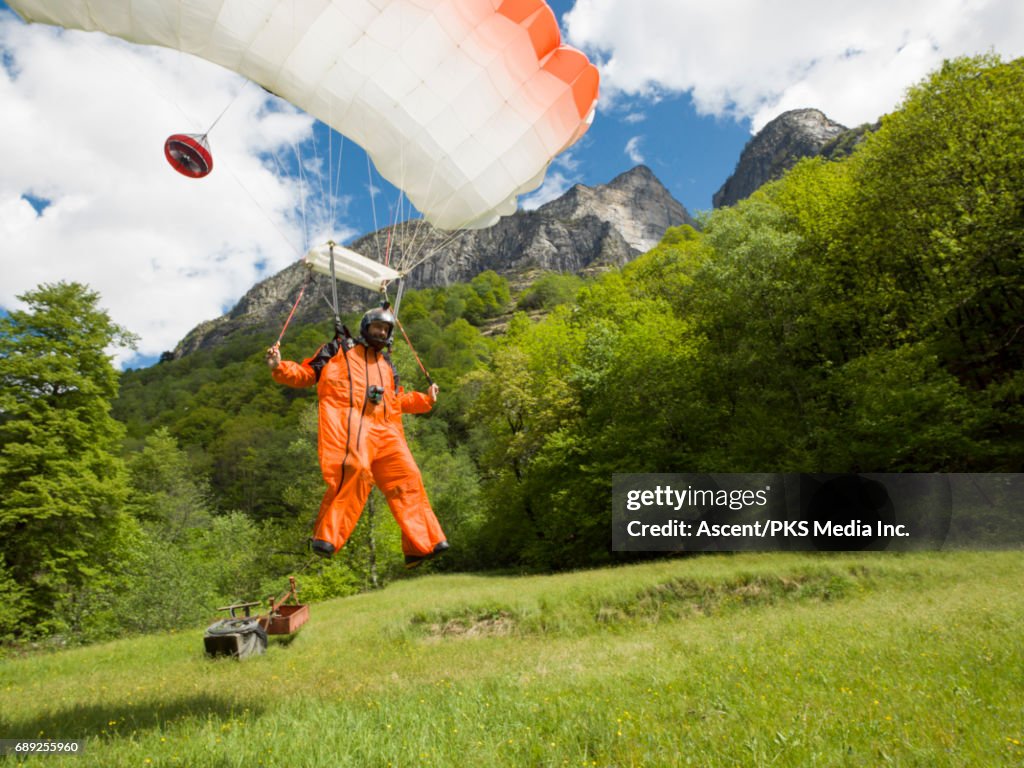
[(274, 356), (434, 389)]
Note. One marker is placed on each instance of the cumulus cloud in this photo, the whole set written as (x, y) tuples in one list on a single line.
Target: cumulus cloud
[(632, 150), (564, 173), (86, 194), (555, 185), (750, 60)]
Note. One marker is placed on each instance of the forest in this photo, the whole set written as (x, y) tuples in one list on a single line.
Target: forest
[(859, 315)]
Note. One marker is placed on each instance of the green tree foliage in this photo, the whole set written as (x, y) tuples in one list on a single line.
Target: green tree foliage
[(549, 290), (939, 213), (12, 606), (62, 482), (484, 297), (189, 560), (861, 315), (523, 405), (857, 315), (166, 490)]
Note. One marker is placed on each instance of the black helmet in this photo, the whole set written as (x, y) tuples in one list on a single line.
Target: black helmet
[(378, 315)]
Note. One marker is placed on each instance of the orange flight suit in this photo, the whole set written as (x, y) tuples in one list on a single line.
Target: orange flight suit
[(362, 443)]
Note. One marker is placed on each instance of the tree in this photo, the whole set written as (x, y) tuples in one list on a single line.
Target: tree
[(62, 483), (549, 291), (936, 224), (165, 490)]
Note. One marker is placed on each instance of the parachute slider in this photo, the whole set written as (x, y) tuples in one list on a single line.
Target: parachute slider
[(350, 267)]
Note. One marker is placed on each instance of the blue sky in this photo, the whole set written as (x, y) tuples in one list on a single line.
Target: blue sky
[(86, 193)]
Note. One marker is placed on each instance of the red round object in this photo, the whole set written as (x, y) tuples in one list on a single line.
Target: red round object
[(189, 154)]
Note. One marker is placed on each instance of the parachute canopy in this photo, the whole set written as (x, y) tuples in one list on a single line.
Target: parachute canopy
[(462, 104), (350, 266)]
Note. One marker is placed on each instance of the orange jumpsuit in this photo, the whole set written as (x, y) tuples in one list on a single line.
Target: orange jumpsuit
[(362, 443)]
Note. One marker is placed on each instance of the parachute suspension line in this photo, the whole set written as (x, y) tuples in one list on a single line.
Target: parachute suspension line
[(420, 229), (302, 206), (333, 184), (225, 110), (387, 247), (337, 177), (414, 252), (323, 213), (409, 244), (309, 274), (450, 239), (391, 229), (330, 168), (419, 362), (397, 306), (155, 86), (398, 297), (318, 178), (334, 291), (302, 192), (266, 215), (373, 202), (406, 223)]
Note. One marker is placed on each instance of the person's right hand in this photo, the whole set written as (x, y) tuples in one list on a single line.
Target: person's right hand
[(274, 356)]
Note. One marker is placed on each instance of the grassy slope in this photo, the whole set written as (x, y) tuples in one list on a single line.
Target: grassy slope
[(782, 659)]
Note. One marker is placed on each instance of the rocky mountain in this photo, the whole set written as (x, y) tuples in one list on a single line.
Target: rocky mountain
[(776, 148), (585, 230)]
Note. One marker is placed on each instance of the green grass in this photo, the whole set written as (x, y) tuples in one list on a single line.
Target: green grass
[(780, 660)]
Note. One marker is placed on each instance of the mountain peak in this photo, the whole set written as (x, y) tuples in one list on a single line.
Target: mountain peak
[(587, 229), (635, 202), (639, 174), (775, 149)]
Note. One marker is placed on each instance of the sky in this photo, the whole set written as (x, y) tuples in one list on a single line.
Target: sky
[(86, 194)]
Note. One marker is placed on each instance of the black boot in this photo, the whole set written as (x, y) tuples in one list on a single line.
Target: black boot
[(321, 548), (411, 561)]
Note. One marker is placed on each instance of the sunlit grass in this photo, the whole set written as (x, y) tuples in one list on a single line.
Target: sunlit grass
[(791, 660)]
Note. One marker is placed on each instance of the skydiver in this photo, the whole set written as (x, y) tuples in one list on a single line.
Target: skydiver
[(361, 441)]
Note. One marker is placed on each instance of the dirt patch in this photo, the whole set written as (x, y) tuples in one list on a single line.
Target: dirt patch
[(500, 624)]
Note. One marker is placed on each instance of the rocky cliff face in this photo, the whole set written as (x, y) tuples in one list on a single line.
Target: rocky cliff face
[(585, 230), (777, 148)]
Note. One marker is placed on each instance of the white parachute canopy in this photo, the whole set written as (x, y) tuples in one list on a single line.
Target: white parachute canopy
[(462, 104), (350, 266)]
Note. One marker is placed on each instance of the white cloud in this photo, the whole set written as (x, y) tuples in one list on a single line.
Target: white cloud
[(755, 60), (565, 172), (632, 150), (83, 122), (555, 185)]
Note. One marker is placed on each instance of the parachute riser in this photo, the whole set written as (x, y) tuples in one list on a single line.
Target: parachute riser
[(398, 297), (334, 292)]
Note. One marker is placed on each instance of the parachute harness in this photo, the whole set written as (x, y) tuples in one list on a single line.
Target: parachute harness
[(339, 328)]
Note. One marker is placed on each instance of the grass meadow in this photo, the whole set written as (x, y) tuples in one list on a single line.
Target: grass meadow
[(723, 660)]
